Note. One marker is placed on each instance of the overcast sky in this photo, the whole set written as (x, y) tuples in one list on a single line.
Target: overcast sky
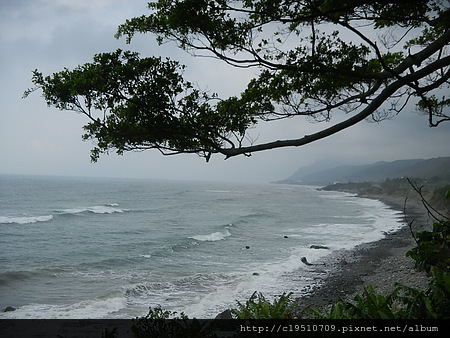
[(49, 35)]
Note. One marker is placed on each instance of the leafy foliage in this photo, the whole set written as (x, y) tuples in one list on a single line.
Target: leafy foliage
[(159, 313), (157, 324), (433, 247), (432, 303), (135, 103), (314, 58), (258, 307), (369, 305), (402, 303)]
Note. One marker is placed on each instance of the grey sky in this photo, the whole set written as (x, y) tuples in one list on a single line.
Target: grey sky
[(35, 139)]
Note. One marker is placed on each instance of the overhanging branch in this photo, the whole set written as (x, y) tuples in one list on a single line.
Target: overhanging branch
[(370, 109)]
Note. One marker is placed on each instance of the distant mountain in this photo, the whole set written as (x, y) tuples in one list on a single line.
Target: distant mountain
[(437, 168)]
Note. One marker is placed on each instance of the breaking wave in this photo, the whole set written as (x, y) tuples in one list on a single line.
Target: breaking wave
[(24, 219), (96, 209), (216, 236)]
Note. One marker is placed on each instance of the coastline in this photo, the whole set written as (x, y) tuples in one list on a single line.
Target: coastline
[(381, 263)]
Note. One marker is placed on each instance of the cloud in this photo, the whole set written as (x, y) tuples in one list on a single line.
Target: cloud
[(79, 5)]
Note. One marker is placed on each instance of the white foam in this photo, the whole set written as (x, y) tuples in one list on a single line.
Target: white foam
[(24, 219), (87, 309), (266, 279), (216, 236), (337, 194), (96, 209), (271, 279)]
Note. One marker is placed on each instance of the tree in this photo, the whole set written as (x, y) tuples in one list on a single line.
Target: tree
[(364, 59)]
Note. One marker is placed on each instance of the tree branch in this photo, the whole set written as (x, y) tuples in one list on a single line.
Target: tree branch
[(370, 109)]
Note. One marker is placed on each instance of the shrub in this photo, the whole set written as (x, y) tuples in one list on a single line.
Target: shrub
[(258, 307), (369, 305), (157, 324), (402, 303), (433, 247)]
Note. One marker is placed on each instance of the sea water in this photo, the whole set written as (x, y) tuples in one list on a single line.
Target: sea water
[(112, 248)]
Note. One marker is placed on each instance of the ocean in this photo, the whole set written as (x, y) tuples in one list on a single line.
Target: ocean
[(111, 248)]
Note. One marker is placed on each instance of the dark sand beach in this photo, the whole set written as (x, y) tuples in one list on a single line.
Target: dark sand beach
[(380, 264)]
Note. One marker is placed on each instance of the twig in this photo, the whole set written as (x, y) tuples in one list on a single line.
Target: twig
[(430, 209), (409, 223)]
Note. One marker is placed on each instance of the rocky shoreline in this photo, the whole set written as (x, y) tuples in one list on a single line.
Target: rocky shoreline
[(380, 264)]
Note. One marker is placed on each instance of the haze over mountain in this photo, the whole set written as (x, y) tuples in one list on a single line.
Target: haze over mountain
[(321, 174)]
